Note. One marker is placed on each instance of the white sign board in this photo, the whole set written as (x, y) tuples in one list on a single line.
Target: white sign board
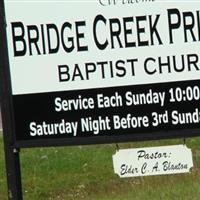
[(152, 161), (100, 43)]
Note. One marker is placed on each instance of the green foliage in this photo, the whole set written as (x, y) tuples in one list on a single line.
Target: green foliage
[(86, 172)]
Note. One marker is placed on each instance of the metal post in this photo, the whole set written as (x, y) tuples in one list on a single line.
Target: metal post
[(13, 172), (11, 153)]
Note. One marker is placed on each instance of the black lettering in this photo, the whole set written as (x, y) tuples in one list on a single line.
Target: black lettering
[(141, 154), (111, 69), (102, 65), (141, 30), (18, 38), (181, 67), (77, 72), (89, 68), (79, 36), (120, 67), (100, 46), (198, 24), (173, 25), (33, 39), (146, 68), (115, 33), (43, 39), (143, 169), (63, 73), (188, 26), (193, 59), (153, 29), (132, 61), (128, 32), (161, 64), (123, 169), (70, 40), (53, 28), (155, 167)]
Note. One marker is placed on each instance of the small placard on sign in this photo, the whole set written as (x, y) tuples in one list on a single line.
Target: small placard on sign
[(152, 161)]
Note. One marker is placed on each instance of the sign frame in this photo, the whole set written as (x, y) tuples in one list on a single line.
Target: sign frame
[(12, 146), (78, 140)]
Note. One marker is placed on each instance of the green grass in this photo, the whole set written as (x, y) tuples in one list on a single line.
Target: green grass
[(86, 173), (3, 186)]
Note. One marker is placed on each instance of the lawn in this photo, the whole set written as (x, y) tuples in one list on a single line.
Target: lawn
[(86, 173)]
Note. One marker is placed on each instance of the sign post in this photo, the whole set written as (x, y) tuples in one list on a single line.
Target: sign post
[(11, 153)]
